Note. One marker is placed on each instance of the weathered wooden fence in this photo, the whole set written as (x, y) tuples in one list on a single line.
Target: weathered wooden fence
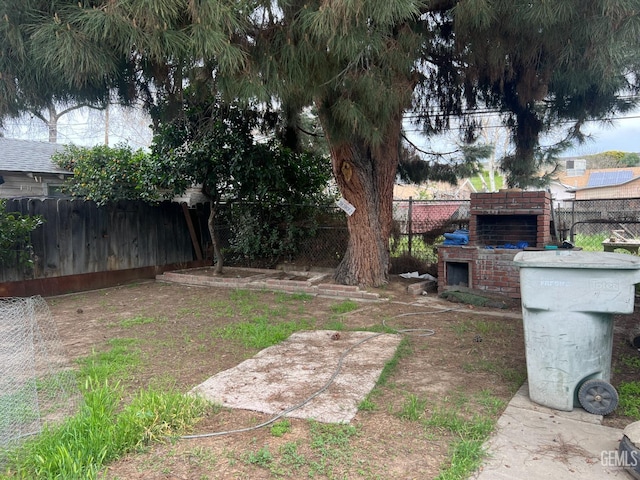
[(80, 237)]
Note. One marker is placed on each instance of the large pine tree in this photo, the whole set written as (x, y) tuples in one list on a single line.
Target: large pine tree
[(546, 64)]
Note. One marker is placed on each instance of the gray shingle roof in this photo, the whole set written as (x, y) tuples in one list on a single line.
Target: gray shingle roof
[(28, 156)]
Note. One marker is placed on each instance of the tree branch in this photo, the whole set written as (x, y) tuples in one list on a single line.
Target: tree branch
[(437, 154)]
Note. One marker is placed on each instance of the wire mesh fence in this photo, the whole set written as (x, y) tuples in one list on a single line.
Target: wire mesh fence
[(314, 235), (603, 224), (418, 226), (37, 383)]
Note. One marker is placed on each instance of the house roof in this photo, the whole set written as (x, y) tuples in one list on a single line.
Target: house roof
[(601, 177), (28, 156)]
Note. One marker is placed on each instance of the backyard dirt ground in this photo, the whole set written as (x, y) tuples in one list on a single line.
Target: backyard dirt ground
[(472, 364)]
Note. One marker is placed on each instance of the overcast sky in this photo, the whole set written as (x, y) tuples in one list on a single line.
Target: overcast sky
[(622, 135)]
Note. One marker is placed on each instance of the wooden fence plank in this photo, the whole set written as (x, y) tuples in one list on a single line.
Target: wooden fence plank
[(64, 242), (78, 237)]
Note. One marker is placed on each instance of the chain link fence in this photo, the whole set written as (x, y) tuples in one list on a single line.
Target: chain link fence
[(418, 229), (598, 225), (595, 225), (322, 235)]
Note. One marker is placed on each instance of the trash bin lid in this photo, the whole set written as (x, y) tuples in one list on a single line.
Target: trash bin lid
[(577, 259)]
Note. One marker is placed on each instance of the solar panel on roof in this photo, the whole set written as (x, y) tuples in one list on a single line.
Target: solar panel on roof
[(602, 179)]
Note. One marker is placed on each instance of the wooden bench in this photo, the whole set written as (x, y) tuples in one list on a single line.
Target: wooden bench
[(620, 239), (630, 246)]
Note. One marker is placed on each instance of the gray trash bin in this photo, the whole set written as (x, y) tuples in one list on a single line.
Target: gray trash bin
[(568, 301)]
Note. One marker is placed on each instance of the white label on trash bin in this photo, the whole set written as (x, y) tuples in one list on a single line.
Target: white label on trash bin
[(554, 283), (605, 285)]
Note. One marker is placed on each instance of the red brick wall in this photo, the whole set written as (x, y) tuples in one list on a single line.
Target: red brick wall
[(510, 202), (490, 270)]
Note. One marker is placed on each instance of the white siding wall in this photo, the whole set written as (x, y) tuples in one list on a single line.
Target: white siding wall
[(20, 185)]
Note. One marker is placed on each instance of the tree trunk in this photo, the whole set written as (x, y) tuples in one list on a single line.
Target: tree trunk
[(366, 177), (52, 124), (218, 259)]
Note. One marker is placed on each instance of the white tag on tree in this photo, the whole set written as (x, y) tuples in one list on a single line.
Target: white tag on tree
[(346, 206)]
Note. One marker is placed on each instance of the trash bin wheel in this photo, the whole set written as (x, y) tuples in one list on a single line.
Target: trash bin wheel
[(598, 397)]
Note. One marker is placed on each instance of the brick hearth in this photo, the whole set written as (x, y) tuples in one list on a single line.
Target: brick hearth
[(498, 220)]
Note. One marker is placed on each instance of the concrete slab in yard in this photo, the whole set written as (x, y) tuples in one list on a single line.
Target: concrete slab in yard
[(536, 442), (287, 374)]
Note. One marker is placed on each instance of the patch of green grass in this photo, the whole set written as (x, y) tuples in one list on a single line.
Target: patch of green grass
[(343, 307), (282, 297), (493, 405), (291, 457), (480, 327), (202, 457), (630, 361), (332, 441), (412, 408), (515, 376), (220, 308), (403, 350), (466, 451), (334, 325), (195, 312), (260, 332), (419, 248), (278, 429), (325, 435), (244, 302), (380, 328), (590, 243), (460, 328), (466, 458), (629, 399), (138, 320), (103, 431), (250, 304), (114, 364), (367, 404), (20, 405), (262, 457), (484, 327), (481, 365)]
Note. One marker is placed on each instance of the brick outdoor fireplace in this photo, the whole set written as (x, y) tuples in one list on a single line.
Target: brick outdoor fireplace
[(501, 225)]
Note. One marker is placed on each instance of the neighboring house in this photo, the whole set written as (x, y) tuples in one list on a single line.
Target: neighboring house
[(434, 191), (26, 169), (445, 207), (602, 183)]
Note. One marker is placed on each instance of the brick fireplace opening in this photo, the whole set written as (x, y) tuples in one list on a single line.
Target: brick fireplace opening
[(506, 230), (500, 225)]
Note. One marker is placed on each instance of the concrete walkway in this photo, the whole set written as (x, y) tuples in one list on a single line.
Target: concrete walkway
[(534, 442)]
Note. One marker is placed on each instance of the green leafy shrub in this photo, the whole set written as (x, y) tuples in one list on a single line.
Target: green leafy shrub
[(104, 174), (15, 240)]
